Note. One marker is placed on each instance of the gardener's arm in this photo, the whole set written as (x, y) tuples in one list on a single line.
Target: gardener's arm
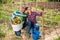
[(21, 14), (11, 18), (38, 14)]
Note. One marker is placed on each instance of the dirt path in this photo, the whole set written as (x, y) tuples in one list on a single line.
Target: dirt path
[(50, 33), (53, 34)]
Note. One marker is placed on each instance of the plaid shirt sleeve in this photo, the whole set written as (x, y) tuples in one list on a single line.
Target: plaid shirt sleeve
[(38, 14)]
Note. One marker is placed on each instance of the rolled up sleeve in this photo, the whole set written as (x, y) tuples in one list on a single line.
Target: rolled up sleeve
[(38, 14)]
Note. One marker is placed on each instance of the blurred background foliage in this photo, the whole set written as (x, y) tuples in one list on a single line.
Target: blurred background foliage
[(10, 1), (50, 18)]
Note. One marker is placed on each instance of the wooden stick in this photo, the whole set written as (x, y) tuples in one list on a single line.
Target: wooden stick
[(36, 5), (43, 21), (20, 4)]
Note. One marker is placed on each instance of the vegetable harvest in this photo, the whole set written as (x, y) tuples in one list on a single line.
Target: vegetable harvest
[(17, 20)]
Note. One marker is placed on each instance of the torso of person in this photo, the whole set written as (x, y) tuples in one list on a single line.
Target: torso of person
[(32, 17)]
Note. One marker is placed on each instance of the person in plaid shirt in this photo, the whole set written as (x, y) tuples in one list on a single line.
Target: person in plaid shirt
[(32, 23)]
